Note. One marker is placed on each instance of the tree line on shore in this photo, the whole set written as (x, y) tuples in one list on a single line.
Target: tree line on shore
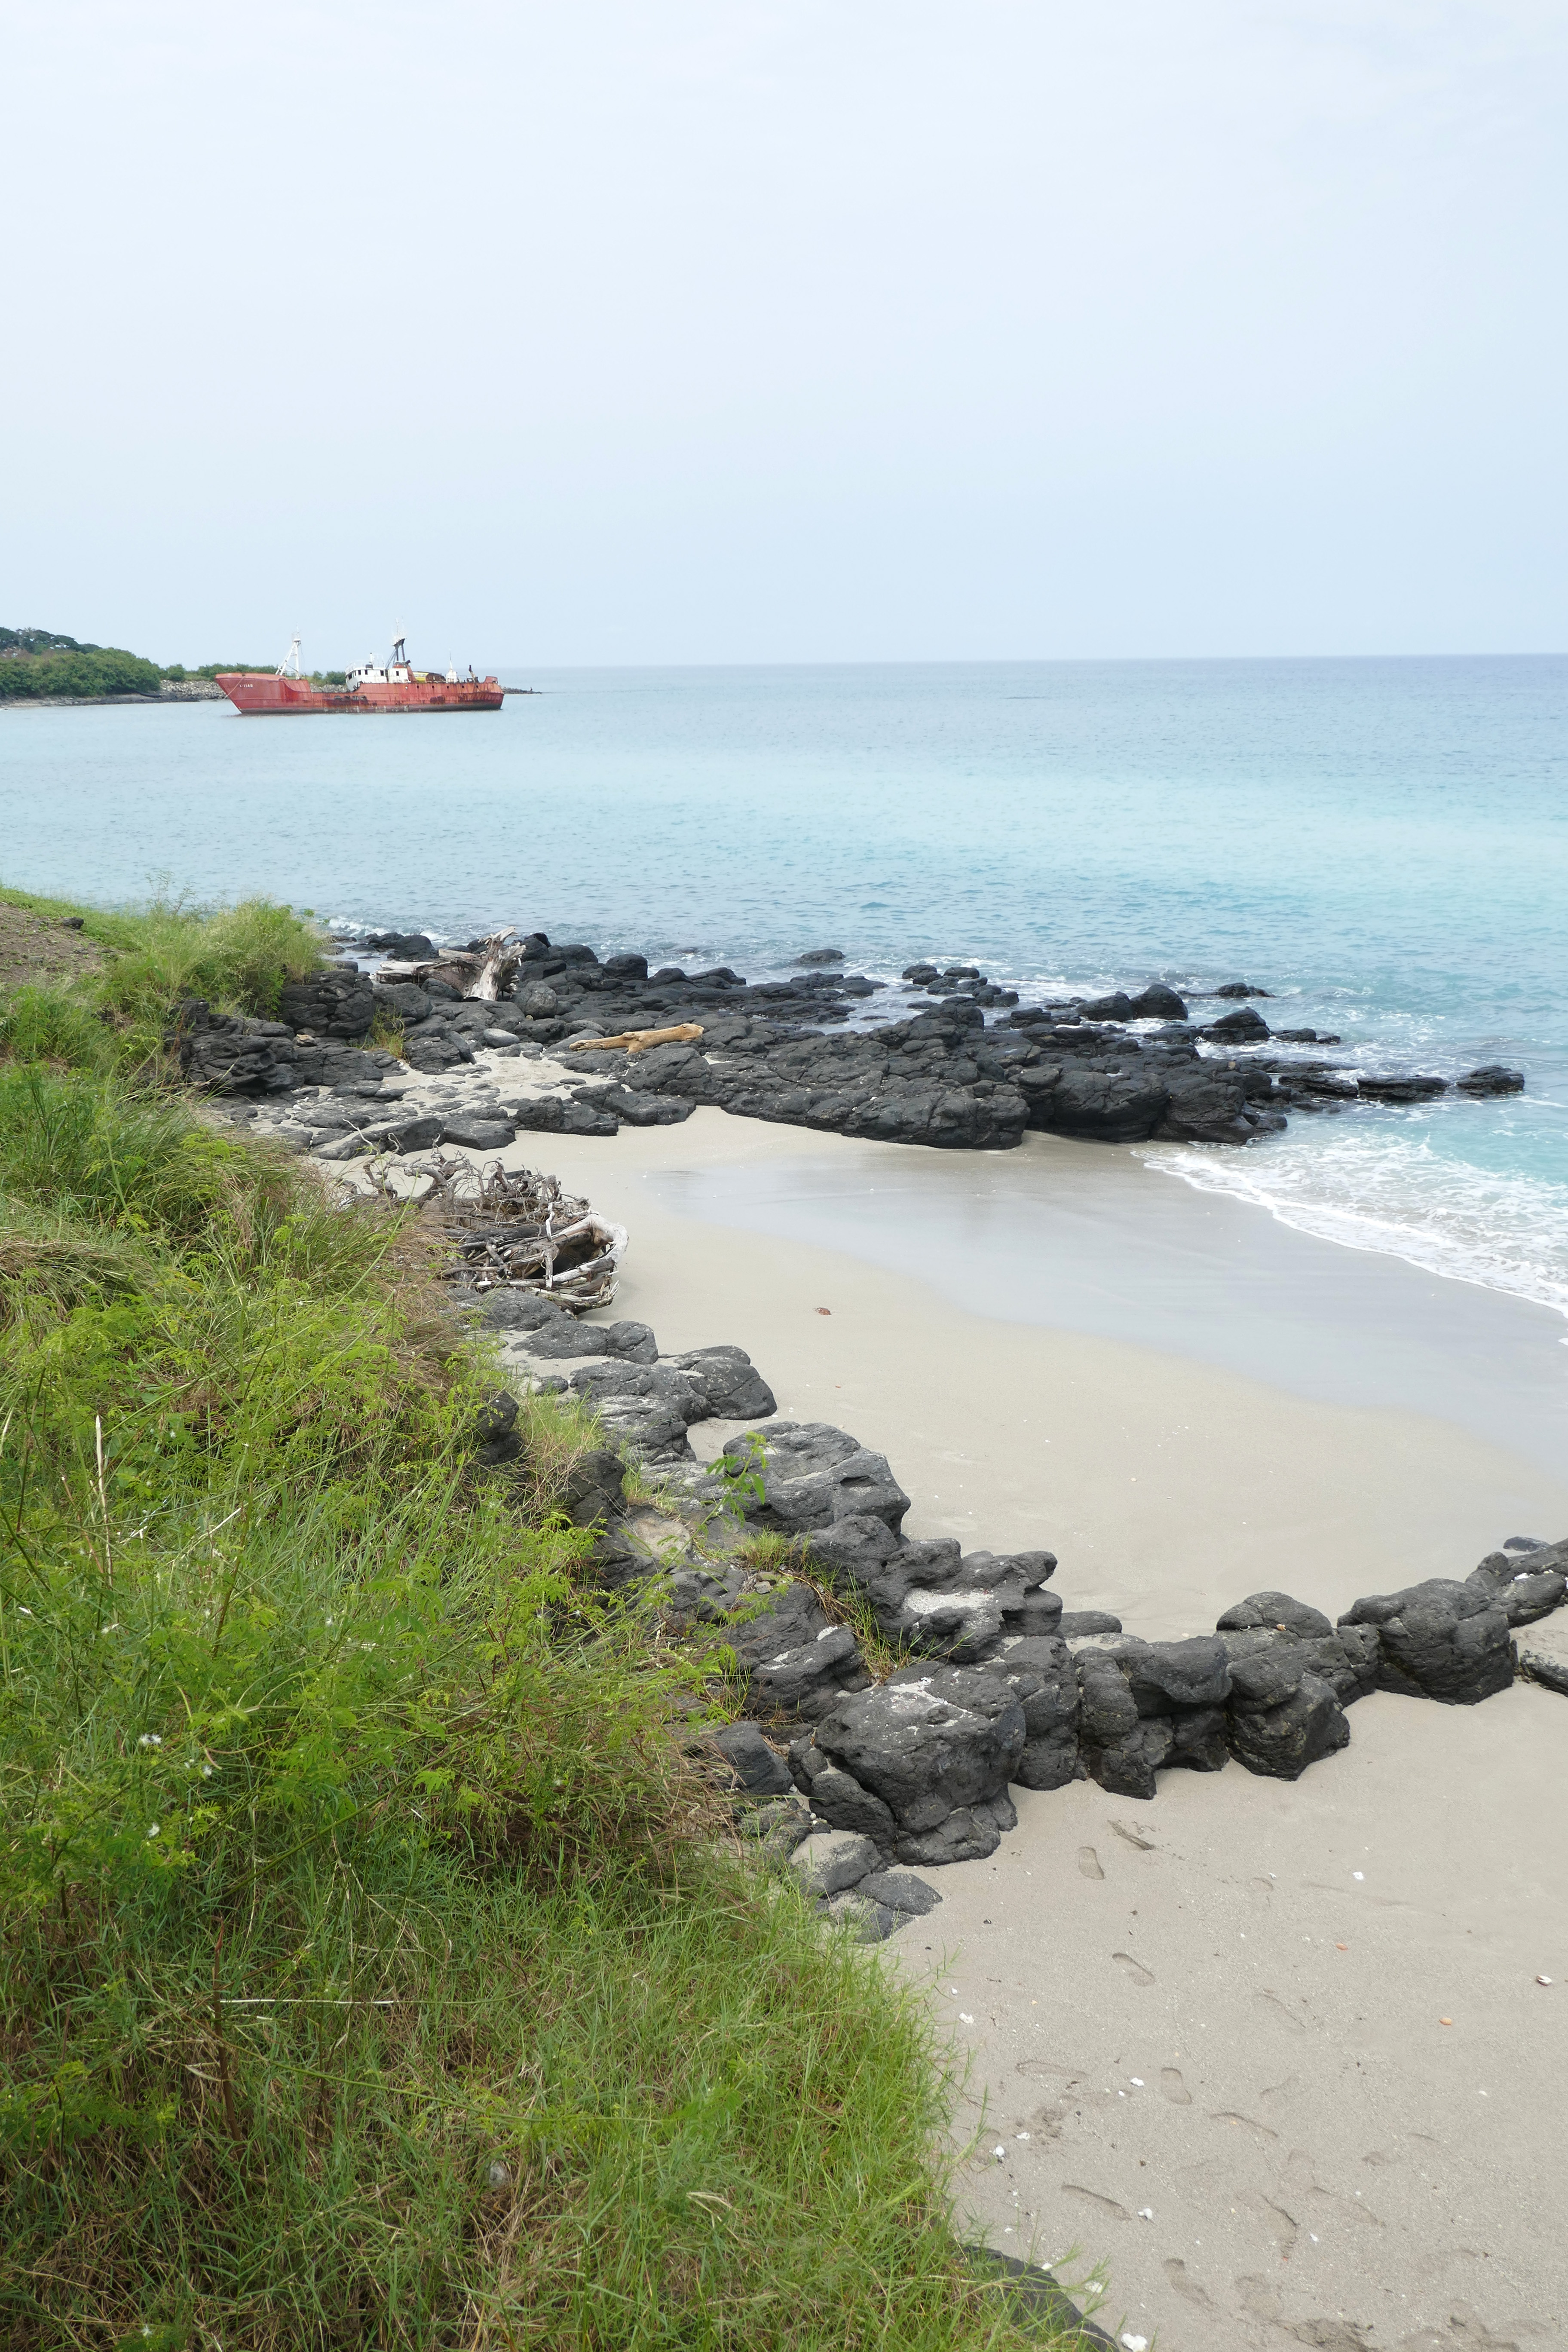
[(44, 665)]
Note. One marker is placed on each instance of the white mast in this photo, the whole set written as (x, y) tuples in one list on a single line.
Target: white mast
[(290, 665)]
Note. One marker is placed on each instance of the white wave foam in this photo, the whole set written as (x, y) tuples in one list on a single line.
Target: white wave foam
[(1394, 1193)]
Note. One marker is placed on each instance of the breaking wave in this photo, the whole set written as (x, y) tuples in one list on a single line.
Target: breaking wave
[(1380, 1188)]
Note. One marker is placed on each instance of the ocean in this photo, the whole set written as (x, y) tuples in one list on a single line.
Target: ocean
[(1382, 845)]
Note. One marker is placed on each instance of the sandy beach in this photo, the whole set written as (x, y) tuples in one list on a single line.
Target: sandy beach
[(1225, 2047), (1168, 1486), (1276, 2053)]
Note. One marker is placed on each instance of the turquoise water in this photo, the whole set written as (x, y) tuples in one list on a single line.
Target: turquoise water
[(1384, 844)]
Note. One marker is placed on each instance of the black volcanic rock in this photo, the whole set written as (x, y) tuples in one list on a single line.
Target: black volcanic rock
[(787, 1050), (408, 947), (1439, 1640), (1277, 1612), (1283, 1720), (758, 1768), (1398, 1089), (1158, 1003), (937, 1747), (1108, 1105), (1238, 1028), (809, 1476), (547, 1115), (328, 1004), (1041, 1676), (1210, 1103), (1526, 1585), (228, 1055), (404, 999), (729, 1384)]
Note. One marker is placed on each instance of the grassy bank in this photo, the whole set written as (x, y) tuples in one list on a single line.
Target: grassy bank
[(116, 1017), (371, 1971)]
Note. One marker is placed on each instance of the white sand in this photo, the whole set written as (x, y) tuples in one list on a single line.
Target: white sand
[(1322, 2164), (1325, 2161)]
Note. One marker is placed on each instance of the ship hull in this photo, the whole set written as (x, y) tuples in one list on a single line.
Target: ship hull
[(256, 696)]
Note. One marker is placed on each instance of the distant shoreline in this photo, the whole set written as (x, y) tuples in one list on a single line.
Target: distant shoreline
[(191, 690)]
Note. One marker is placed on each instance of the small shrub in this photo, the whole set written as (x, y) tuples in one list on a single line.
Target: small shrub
[(387, 1031)]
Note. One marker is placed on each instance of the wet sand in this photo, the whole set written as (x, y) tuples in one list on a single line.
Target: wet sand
[(1324, 2161)]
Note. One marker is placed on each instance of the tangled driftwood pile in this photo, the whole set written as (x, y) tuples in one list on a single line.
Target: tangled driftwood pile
[(515, 1229)]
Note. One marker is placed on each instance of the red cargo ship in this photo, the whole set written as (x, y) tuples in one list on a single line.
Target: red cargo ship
[(393, 686)]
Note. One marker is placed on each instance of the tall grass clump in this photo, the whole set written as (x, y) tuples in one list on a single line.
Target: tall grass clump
[(237, 957), (54, 1025), (240, 957), (371, 1969)]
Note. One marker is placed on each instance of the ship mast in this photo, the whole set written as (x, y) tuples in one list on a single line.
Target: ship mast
[(290, 665)]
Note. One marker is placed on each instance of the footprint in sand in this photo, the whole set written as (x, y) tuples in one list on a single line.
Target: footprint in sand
[(1276, 2008), (1092, 2197), (1134, 1969), (1186, 2287), (1089, 1863), (1280, 2224), (1143, 1845), (1229, 2116), (1172, 2087)]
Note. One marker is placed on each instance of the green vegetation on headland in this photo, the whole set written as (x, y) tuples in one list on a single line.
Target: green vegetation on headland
[(41, 665), (38, 663), (373, 1967)]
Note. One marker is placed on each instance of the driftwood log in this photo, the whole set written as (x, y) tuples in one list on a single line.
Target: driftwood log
[(485, 974), (637, 1041), (515, 1229)]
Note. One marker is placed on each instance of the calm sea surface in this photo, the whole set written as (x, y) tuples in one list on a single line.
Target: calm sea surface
[(1384, 844)]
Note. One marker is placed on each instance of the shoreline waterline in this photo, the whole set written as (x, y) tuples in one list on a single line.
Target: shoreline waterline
[(1461, 1240), (1089, 1239)]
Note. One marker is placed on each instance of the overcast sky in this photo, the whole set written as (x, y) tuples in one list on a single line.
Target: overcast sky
[(730, 331)]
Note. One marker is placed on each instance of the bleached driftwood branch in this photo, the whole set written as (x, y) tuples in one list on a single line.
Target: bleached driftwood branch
[(637, 1041)]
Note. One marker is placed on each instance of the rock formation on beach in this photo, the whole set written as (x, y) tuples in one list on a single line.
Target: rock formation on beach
[(961, 1064), (859, 1779)]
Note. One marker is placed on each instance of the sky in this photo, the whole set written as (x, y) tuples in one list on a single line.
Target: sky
[(785, 331)]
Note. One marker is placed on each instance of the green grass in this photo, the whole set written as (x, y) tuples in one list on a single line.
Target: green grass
[(372, 1972), (388, 1030)]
